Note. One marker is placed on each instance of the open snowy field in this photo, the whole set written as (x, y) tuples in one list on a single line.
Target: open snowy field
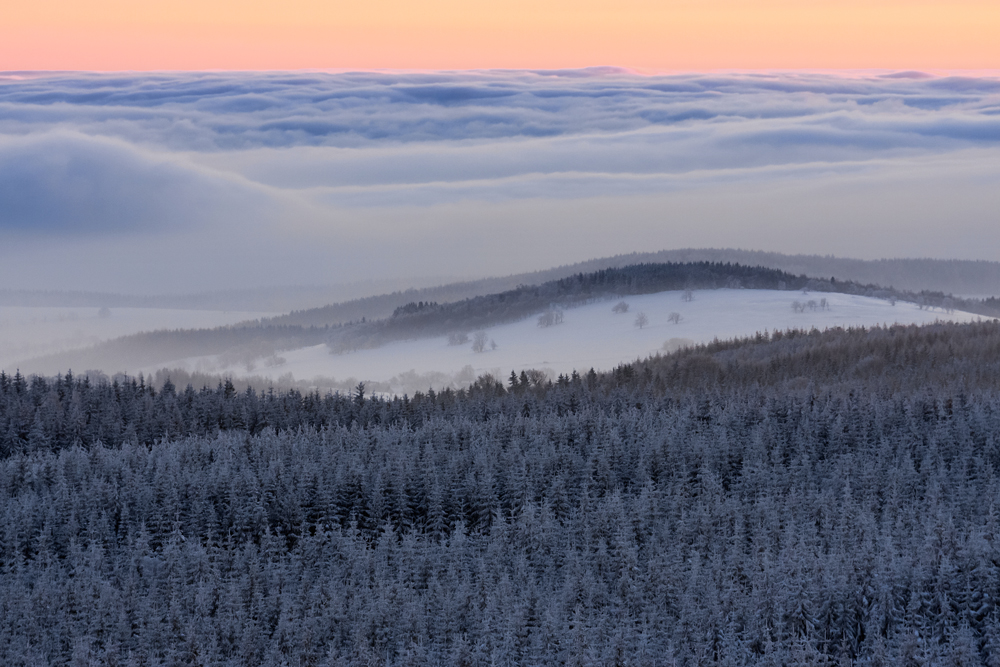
[(27, 332), (590, 336)]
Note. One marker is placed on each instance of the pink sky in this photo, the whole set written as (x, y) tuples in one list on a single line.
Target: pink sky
[(661, 35)]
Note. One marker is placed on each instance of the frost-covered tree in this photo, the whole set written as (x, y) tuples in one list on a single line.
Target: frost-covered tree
[(458, 338), (480, 339), (550, 318)]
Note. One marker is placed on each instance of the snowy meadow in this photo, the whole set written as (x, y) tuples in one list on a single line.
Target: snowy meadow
[(589, 336)]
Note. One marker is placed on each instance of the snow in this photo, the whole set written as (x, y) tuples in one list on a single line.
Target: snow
[(590, 336), (27, 332)]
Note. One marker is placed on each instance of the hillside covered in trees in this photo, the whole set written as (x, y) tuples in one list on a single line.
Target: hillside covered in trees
[(425, 319), (254, 342), (915, 276), (797, 498)]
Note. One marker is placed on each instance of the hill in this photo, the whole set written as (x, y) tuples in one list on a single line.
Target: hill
[(261, 343), (943, 277), (591, 335)]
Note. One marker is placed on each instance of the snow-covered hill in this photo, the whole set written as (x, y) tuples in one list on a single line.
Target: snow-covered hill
[(589, 336)]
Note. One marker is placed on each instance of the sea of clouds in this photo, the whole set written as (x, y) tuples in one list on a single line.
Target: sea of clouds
[(187, 181)]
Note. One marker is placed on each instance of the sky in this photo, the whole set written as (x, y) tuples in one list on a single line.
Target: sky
[(646, 35), (179, 182)]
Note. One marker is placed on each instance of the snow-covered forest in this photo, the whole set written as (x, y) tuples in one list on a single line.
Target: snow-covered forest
[(802, 498)]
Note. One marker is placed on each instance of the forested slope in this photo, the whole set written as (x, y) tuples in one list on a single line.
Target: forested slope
[(250, 342), (810, 498), (416, 320), (949, 276), (257, 340), (344, 327), (935, 276)]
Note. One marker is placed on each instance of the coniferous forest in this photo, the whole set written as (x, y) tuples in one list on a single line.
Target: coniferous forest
[(790, 498)]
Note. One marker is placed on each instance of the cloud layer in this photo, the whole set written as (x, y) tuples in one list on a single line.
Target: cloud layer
[(68, 183), (319, 177)]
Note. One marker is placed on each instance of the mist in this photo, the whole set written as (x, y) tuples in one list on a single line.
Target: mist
[(172, 183)]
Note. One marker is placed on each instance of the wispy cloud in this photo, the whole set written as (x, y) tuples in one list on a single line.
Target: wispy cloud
[(321, 175)]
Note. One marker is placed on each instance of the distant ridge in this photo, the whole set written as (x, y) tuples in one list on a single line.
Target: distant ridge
[(959, 277), (320, 305), (423, 319), (278, 299), (950, 276)]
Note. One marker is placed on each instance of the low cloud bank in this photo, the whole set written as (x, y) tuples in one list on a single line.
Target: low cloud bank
[(70, 184), (213, 181)]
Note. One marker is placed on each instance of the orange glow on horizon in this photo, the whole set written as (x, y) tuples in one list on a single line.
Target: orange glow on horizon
[(666, 35)]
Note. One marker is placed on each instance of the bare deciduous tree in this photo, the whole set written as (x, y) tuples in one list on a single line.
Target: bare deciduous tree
[(674, 318), (550, 318), (674, 344), (687, 296), (458, 338), (537, 377), (479, 341), (641, 320), (620, 307)]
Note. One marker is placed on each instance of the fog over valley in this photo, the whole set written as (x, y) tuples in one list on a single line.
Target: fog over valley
[(32, 332), (593, 315), (591, 336), (186, 182)]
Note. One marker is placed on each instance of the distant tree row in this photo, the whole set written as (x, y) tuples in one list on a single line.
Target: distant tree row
[(54, 413), (813, 305)]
